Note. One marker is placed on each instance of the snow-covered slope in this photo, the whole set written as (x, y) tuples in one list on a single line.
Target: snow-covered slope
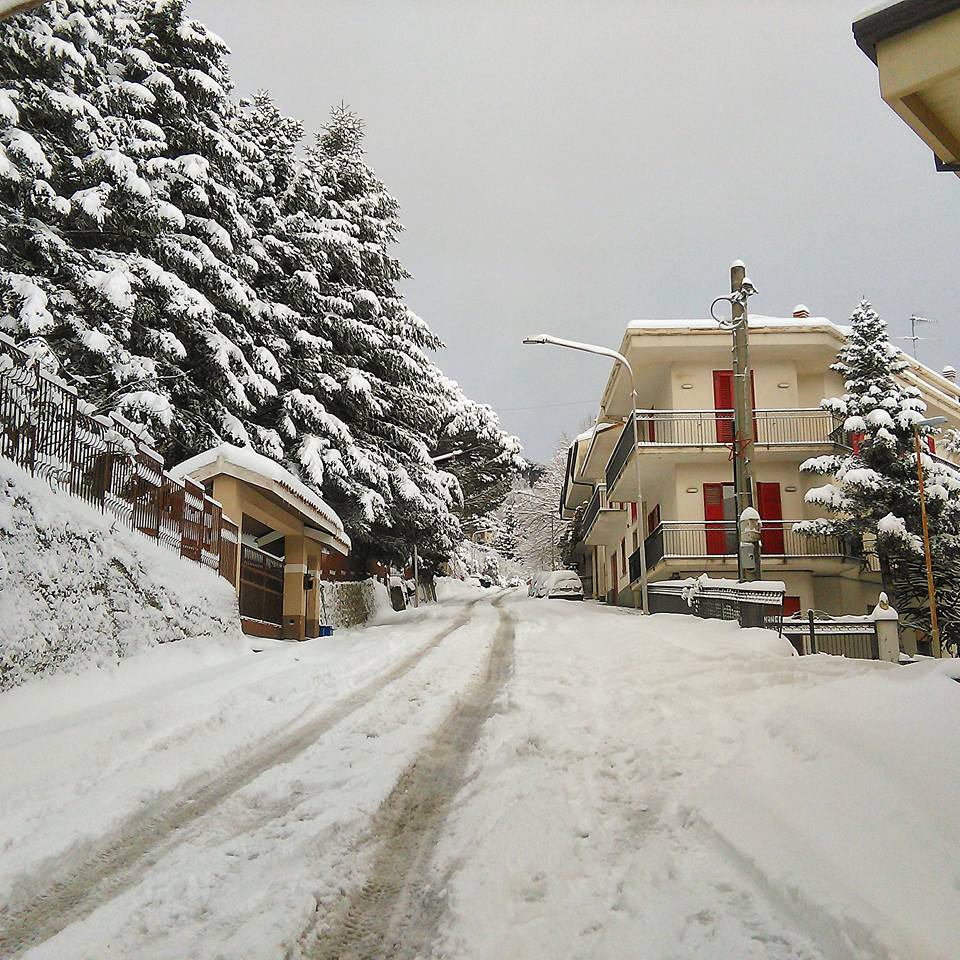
[(844, 802), (77, 587)]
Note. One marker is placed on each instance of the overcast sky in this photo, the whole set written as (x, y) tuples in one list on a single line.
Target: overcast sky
[(569, 166)]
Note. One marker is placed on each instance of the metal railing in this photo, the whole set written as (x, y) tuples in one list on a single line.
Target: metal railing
[(593, 509), (705, 539), (51, 433), (704, 428), (621, 454), (750, 604), (854, 637), (803, 426)]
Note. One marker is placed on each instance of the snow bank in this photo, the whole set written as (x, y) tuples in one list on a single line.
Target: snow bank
[(81, 589), (843, 802), (450, 588)]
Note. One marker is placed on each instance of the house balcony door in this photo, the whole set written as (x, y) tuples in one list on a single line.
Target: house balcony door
[(720, 513), (723, 400), (771, 513)]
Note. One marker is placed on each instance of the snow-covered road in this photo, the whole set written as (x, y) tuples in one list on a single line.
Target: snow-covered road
[(489, 777)]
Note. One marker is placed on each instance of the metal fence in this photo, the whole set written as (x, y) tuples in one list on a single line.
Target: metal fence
[(854, 637), (50, 432), (750, 605)]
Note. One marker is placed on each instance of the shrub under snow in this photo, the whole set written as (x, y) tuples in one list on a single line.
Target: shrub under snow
[(78, 588)]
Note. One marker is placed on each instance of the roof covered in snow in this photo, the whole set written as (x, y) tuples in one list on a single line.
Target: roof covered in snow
[(246, 464), (757, 321)]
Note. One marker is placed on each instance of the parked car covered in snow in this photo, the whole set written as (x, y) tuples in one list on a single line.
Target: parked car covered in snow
[(557, 585)]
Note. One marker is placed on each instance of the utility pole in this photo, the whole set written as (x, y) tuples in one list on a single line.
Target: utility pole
[(743, 438), (416, 577)]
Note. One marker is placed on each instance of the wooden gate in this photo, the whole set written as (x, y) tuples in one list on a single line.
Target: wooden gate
[(261, 591)]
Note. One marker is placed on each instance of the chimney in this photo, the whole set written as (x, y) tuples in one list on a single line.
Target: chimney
[(950, 373), (800, 311)]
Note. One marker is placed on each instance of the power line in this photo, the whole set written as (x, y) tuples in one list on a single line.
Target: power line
[(542, 406)]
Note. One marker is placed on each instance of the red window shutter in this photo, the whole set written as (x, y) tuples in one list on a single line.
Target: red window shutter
[(931, 444), (633, 512), (723, 400), (770, 509), (623, 554), (791, 605), (856, 440), (713, 514), (652, 430)]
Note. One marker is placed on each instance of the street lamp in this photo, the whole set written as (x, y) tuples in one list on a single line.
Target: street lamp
[(931, 592), (622, 360)]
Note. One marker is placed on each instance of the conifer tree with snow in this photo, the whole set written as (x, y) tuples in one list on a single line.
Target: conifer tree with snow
[(872, 496), (196, 270), (127, 243)]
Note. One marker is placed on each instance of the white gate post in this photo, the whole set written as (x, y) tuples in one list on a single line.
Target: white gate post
[(886, 621)]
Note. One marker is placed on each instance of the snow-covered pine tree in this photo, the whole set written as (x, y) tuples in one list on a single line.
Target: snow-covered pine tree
[(873, 495), (139, 239), (490, 459), (195, 272), (390, 392)]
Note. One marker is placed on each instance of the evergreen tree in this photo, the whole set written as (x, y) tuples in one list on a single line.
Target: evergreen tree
[(873, 496), (195, 270), (489, 458), (127, 213)]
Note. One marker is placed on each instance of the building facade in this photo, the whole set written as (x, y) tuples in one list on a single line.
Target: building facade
[(686, 523)]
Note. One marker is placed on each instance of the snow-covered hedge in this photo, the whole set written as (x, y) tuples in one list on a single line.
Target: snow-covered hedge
[(350, 603), (77, 588)]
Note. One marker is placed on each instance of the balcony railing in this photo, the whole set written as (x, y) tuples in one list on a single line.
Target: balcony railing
[(597, 501), (704, 540), (714, 428)]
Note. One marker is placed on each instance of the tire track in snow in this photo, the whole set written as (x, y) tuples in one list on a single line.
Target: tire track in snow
[(395, 913), (69, 888)]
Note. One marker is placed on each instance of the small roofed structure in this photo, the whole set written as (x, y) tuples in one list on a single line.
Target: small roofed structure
[(916, 47), (290, 538)]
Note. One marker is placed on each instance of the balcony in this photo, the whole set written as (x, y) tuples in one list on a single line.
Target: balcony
[(714, 543), (664, 430), (600, 522)]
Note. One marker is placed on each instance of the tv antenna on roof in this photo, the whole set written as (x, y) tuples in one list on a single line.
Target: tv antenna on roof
[(913, 338)]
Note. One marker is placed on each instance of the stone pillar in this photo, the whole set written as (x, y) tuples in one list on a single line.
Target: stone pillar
[(314, 608), (887, 623), (226, 490), (294, 607)]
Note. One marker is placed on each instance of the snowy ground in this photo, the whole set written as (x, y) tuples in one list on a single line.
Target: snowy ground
[(489, 777)]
